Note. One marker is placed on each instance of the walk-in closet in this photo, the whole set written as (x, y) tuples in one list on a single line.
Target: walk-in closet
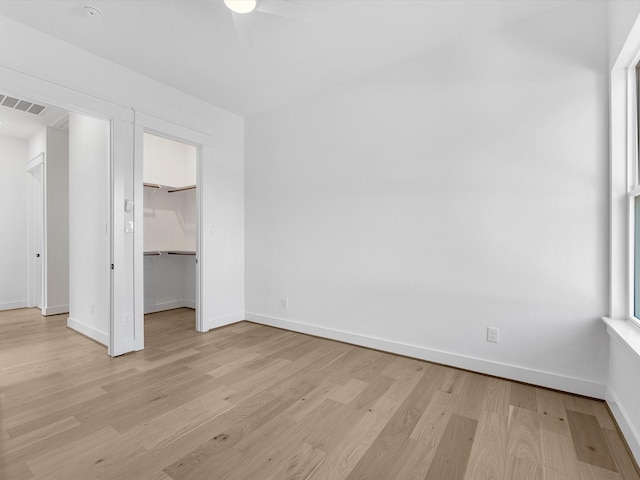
[(170, 224)]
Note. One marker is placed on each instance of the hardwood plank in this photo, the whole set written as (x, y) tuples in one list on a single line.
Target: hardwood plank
[(552, 415), (589, 441), (522, 469), (489, 450), (301, 465), (603, 415), (417, 462), (558, 454), (626, 466), (470, 402), (523, 441), (434, 420), (452, 455), (497, 396), (352, 447), (349, 391), (389, 452), (523, 396), (591, 472)]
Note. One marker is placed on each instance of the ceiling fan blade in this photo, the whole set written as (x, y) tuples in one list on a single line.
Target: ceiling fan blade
[(243, 29), (282, 8)]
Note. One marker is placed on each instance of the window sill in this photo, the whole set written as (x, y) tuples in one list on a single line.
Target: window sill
[(626, 331)]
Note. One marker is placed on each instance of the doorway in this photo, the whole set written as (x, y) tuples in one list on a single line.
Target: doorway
[(35, 239), (170, 223), (65, 251)]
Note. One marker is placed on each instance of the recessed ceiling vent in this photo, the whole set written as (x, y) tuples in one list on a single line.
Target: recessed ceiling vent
[(22, 105)]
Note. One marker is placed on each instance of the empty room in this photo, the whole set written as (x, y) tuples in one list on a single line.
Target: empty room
[(320, 239)]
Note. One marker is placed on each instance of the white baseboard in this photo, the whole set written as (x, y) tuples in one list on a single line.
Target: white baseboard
[(622, 419), (55, 310), (222, 321), (88, 331), (512, 372), (188, 303), (161, 307), (13, 305)]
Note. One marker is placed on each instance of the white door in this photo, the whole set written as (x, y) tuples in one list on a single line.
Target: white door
[(36, 233)]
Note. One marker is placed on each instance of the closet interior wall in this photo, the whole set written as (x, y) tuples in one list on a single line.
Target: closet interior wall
[(170, 225)]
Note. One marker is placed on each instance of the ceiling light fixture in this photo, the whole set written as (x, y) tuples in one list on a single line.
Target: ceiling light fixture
[(240, 6), (92, 11)]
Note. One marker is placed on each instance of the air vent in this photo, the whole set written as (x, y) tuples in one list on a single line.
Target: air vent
[(22, 105)]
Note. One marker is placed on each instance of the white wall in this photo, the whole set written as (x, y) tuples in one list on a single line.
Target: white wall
[(412, 208), (57, 222), (49, 69), (13, 218), (169, 282), (168, 162), (89, 231)]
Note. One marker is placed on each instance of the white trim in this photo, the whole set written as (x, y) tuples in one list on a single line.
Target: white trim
[(57, 310), (198, 306), (14, 305), (188, 303), (162, 306), (621, 417), (168, 129), (40, 90), (139, 308), (513, 372), (35, 161), (224, 320), (88, 331), (619, 255), (626, 331)]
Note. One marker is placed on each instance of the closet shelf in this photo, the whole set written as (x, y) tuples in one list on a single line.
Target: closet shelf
[(168, 252), (169, 188)]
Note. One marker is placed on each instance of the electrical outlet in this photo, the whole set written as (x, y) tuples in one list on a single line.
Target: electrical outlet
[(493, 334), (284, 302)]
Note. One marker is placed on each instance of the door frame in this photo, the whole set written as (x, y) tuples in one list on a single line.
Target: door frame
[(39, 90), (38, 162), (162, 128)]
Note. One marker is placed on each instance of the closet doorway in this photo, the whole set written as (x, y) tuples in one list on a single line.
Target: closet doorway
[(170, 224)]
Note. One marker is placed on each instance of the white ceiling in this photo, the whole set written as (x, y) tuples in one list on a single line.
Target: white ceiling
[(193, 45)]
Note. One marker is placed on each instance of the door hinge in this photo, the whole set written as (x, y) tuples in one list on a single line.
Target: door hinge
[(112, 266)]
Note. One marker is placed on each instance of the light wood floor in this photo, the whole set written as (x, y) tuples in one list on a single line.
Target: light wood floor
[(252, 402)]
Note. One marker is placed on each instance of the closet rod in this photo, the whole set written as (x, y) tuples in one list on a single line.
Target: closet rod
[(151, 185), (180, 189), (147, 254), (181, 253)]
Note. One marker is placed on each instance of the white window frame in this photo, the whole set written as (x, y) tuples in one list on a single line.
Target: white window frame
[(633, 180), (624, 177)]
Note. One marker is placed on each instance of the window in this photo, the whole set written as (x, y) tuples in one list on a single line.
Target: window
[(633, 191)]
